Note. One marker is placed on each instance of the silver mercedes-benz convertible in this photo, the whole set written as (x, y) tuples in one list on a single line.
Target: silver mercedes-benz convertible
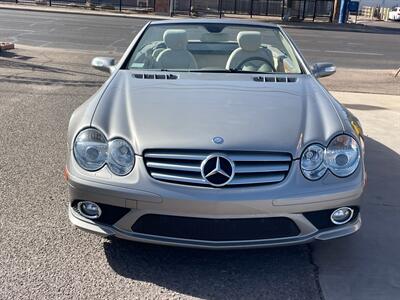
[(214, 134)]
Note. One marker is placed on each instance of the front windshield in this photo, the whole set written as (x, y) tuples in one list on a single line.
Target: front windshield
[(211, 47)]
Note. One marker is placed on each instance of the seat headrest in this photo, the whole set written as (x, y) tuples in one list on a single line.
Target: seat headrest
[(249, 40), (175, 39)]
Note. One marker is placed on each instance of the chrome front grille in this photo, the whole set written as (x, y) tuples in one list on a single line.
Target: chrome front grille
[(184, 166)]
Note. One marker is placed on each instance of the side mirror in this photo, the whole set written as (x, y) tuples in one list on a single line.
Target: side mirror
[(105, 64), (323, 69)]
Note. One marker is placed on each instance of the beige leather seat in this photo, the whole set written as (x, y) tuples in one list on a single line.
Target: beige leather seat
[(176, 56), (250, 50)]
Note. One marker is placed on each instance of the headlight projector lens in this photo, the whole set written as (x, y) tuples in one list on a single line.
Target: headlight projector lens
[(312, 162), (342, 155), (90, 149), (121, 157)]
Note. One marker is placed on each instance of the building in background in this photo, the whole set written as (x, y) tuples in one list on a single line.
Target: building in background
[(379, 3)]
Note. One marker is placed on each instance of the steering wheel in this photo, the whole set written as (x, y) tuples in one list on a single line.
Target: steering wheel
[(256, 66)]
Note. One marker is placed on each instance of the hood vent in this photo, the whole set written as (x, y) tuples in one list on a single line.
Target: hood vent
[(155, 76), (275, 79)]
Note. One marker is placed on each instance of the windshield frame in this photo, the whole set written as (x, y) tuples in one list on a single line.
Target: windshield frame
[(303, 66)]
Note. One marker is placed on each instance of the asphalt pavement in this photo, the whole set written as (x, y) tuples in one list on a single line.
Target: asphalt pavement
[(367, 264), (345, 48), (43, 257)]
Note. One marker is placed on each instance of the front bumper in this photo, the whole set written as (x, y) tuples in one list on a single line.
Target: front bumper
[(141, 195), (112, 231)]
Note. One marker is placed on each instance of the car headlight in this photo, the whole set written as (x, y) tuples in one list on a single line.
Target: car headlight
[(90, 149), (121, 157), (312, 162), (341, 157)]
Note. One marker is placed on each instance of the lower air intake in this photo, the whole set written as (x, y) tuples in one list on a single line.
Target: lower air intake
[(216, 229)]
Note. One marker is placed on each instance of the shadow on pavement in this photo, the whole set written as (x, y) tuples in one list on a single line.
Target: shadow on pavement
[(10, 54), (364, 107), (268, 273), (383, 170), (19, 65), (14, 61), (367, 265), (50, 81)]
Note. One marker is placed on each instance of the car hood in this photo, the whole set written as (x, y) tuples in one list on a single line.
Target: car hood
[(188, 111)]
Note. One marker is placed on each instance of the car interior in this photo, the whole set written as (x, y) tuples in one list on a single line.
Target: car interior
[(212, 51)]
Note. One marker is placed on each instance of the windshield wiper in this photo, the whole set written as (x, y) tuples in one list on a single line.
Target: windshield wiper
[(209, 71), (171, 70), (232, 70)]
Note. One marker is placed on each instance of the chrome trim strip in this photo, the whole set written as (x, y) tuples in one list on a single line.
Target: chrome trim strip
[(257, 180), (173, 166), (262, 169), (165, 155), (260, 157), (178, 178)]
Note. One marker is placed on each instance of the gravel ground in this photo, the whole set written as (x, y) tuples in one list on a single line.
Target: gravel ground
[(43, 257)]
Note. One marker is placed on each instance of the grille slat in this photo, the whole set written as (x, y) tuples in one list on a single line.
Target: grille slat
[(174, 166), (260, 157), (262, 168), (178, 178), (184, 166), (257, 179), (167, 155)]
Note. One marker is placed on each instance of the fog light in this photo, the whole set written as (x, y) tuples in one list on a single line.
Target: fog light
[(89, 209), (342, 215)]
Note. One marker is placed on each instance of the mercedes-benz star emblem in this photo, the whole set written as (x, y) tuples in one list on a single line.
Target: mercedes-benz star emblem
[(218, 140), (217, 169)]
